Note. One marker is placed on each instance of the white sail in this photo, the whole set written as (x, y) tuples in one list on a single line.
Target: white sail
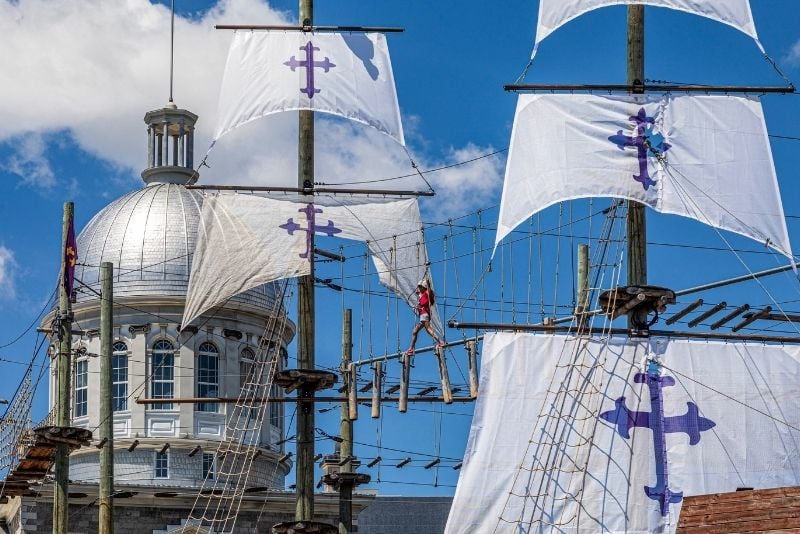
[(609, 435), (736, 13), (704, 157), (245, 241), (346, 74)]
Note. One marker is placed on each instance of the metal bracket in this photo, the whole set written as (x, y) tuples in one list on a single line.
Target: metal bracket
[(639, 302), (304, 379)]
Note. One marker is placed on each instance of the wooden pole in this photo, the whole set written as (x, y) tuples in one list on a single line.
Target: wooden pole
[(582, 297), (377, 386), (637, 225), (346, 428), (304, 510), (444, 375), (345, 423), (472, 355), (352, 392), (105, 499), (346, 508), (63, 383), (405, 375)]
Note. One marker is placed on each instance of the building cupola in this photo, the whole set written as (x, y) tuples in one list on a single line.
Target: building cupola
[(170, 146)]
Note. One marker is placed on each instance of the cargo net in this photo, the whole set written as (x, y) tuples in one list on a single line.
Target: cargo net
[(220, 497), (548, 488)]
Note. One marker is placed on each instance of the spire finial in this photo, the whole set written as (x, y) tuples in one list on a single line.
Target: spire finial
[(171, 46)]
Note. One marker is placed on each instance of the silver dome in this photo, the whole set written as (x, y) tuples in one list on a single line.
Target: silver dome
[(149, 236)]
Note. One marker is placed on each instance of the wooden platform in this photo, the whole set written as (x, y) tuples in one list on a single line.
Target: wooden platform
[(38, 454), (772, 510)]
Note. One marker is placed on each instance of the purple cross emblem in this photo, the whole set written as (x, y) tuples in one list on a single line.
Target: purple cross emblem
[(647, 143), (691, 423), (309, 64), (311, 228)]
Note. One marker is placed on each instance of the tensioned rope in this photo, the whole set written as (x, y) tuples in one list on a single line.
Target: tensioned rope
[(223, 489), (546, 472)]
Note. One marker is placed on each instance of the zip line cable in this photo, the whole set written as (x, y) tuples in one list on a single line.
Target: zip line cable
[(428, 171), (46, 306)]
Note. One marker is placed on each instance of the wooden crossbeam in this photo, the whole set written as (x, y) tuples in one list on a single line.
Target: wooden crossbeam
[(652, 88), (310, 28)]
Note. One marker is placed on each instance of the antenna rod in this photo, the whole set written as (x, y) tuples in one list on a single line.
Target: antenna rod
[(637, 224), (171, 46)]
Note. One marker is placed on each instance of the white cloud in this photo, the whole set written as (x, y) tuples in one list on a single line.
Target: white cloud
[(793, 56), (28, 160), (95, 67), (7, 267), (475, 184)]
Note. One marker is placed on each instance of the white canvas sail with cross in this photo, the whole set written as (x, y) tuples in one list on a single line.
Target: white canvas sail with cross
[(587, 435), (735, 13), (344, 74), (245, 241), (703, 157)]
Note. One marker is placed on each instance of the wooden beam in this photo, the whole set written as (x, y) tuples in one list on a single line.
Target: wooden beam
[(444, 376), (731, 316), (753, 318), (231, 400), (310, 28), (352, 394), (703, 316), (313, 190), (514, 327), (684, 312), (377, 386), (651, 88), (472, 356), (405, 378)]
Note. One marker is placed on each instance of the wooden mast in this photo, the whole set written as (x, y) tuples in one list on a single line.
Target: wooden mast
[(304, 510), (637, 223)]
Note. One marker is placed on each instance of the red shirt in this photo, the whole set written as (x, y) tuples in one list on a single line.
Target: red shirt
[(424, 305)]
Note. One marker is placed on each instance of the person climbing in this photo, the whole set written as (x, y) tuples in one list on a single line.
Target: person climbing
[(426, 300)]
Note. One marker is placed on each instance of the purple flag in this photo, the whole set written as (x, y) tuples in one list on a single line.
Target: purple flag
[(70, 258)]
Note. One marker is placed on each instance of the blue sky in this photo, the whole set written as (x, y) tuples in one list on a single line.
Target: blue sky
[(81, 75)]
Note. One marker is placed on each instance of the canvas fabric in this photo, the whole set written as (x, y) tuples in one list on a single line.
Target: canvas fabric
[(266, 73), (245, 241), (736, 13), (704, 157), (565, 436)]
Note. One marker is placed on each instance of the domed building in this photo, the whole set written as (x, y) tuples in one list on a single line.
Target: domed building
[(165, 450), (149, 236)]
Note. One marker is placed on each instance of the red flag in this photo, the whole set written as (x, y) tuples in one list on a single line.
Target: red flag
[(70, 258)]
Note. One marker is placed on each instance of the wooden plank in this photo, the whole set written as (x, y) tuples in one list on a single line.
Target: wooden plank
[(773, 510)]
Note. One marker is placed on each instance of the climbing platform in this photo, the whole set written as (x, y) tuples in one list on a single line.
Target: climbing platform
[(37, 454)]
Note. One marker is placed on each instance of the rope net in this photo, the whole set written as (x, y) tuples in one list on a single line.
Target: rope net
[(220, 497)]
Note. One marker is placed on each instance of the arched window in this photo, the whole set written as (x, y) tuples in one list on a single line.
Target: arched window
[(119, 377), (207, 376), (162, 374)]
